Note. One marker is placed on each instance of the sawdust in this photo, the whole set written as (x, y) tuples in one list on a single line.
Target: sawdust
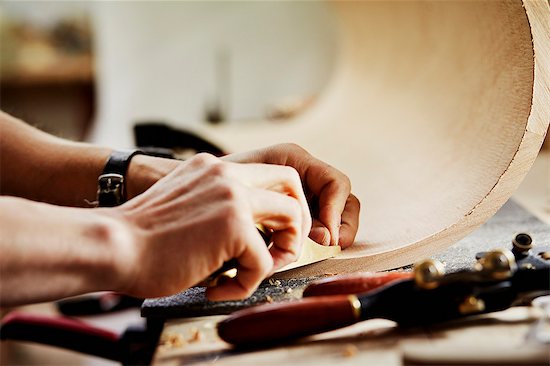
[(196, 335), (274, 282), (172, 340), (350, 350)]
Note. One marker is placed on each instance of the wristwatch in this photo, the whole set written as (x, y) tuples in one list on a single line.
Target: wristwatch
[(111, 190)]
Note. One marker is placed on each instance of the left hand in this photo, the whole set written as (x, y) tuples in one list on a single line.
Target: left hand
[(337, 219)]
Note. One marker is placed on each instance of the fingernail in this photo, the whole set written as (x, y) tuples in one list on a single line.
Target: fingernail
[(320, 235)]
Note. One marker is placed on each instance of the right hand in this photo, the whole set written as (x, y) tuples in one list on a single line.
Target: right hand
[(204, 213)]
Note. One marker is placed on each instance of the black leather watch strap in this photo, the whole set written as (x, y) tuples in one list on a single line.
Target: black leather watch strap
[(119, 160), (111, 183)]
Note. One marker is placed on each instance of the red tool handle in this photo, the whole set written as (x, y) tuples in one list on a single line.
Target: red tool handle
[(286, 321), (61, 332), (355, 283)]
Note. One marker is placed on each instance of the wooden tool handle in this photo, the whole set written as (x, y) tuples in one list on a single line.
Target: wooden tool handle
[(353, 283), (282, 322), (62, 332)]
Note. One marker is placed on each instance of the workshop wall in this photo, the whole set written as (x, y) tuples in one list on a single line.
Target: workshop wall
[(46, 65), (187, 62)]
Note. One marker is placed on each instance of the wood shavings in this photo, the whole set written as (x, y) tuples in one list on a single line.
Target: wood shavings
[(172, 340), (350, 350), (268, 299), (196, 335), (288, 290), (273, 282)]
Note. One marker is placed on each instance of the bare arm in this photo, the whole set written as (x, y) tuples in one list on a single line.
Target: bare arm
[(184, 219), (41, 167), (49, 252), (162, 241)]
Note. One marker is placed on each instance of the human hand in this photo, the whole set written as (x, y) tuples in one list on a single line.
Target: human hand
[(328, 190), (202, 214)]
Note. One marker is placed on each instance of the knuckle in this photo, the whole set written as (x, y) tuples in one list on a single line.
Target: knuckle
[(292, 173), (203, 159), (292, 176), (229, 192), (294, 147), (218, 170)]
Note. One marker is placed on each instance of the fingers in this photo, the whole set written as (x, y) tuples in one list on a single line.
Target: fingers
[(333, 195), (255, 263), (350, 221), (348, 227), (319, 233), (329, 185), (282, 214), (277, 178)]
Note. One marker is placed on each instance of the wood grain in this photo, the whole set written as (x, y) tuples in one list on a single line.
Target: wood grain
[(436, 111)]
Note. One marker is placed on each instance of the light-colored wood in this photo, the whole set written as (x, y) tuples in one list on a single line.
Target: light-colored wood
[(436, 111), (312, 253)]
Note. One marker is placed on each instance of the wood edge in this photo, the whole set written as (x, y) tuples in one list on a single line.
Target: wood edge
[(538, 17), (408, 254)]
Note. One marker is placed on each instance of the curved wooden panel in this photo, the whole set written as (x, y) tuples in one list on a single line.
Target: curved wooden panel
[(436, 111)]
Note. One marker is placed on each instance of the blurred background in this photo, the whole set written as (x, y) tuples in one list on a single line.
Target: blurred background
[(76, 69)]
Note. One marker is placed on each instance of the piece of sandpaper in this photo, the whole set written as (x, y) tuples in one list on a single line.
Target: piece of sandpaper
[(498, 232), (312, 253)]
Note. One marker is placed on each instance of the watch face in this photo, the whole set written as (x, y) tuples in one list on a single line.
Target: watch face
[(110, 191)]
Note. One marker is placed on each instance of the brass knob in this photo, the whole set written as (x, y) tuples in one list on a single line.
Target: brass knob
[(428, 273), (471, 305), (499, 263)]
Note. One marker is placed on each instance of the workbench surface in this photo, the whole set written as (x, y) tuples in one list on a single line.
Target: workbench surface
[(498, 338)]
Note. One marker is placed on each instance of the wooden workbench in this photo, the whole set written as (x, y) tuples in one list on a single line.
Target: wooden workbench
[(498, 338)]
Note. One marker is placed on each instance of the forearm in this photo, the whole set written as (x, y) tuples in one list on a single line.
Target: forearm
[(41, 167), (50, 252)]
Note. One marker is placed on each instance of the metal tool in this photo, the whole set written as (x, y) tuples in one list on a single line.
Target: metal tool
[(495, 283), (135, 346)]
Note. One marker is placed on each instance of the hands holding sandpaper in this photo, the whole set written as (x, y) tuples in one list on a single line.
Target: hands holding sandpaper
[(203, 213)]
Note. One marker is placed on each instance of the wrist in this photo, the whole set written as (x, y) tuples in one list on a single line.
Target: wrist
[(117, 242), (144, 171)]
